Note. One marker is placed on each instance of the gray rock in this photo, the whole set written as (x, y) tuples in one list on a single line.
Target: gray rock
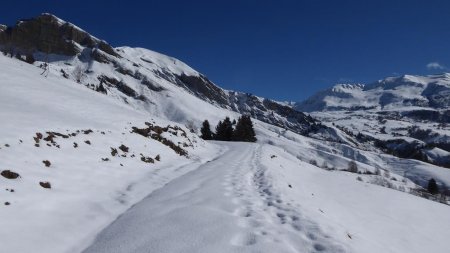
[(48, 34)]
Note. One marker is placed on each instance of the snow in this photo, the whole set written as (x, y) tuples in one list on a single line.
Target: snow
[(438, 154), (376, 218), (222, 197), (260, 198), (157, 61), (223, 200), (390, 93), (86, 193)]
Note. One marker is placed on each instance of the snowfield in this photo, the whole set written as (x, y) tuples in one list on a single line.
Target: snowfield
[(115, 189), (86, 193), (259, 198)]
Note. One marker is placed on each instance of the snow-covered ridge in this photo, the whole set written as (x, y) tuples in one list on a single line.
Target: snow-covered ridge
[(138, 76), (345, 87), (146, 56), (431, 91), (407, 115)]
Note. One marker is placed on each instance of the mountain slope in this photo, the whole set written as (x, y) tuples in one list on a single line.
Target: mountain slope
[(93, 134), (76, 130), (136, 75), (432, 92), (412, 115)]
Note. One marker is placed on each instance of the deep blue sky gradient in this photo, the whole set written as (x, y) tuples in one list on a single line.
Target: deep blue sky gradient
[(285, 50)]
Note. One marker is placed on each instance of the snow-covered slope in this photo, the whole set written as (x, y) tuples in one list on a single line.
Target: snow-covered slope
[(99, 142), (407, 116), (391, 93), (260, 198), (76, 129), (138, 76)]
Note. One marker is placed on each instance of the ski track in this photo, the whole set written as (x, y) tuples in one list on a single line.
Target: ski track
[(231, 192)]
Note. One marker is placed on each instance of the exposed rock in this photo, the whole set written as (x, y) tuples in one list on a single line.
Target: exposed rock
[(45, 185), (203, 88), (9, 174), (49, 34), (151, 85), (265, 110), (124, 148), (127, 90), (99, 56), (109, 81)]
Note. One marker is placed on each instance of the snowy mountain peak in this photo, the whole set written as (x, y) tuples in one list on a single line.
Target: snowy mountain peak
[(344, 87), (431, 91)]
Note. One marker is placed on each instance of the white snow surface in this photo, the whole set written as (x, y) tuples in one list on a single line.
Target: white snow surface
[(222, 197), (259, 198)]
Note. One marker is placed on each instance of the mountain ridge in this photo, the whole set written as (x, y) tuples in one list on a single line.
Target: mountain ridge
[(431, 91), (46, 38)]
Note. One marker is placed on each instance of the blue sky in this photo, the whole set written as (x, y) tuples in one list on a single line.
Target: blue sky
[(285, 50)]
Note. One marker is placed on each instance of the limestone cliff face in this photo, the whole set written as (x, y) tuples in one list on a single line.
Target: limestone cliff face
[(48, 34)]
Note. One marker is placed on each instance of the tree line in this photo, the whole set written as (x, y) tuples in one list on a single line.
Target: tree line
[(243, 130)]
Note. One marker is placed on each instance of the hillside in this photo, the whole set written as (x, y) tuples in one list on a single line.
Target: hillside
[(101, 152), (138, 76), (406, 116)]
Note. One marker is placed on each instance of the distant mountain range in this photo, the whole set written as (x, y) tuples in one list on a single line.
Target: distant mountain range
[(407, 116), (431, 92)]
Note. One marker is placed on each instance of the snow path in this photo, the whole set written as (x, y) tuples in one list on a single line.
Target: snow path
[(226, 205)]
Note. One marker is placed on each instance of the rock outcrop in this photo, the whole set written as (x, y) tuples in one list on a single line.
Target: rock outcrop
[(48, 34)]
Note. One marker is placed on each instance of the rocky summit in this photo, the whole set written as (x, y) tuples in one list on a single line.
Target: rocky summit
[(48, 34)]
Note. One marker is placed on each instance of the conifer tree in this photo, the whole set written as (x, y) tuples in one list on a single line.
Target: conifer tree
[(432, 186), (224, 130), (244, 130), (206, 131), (352, 167)]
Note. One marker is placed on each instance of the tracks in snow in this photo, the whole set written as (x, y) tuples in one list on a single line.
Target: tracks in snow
[(267, 214), (226, 205)]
